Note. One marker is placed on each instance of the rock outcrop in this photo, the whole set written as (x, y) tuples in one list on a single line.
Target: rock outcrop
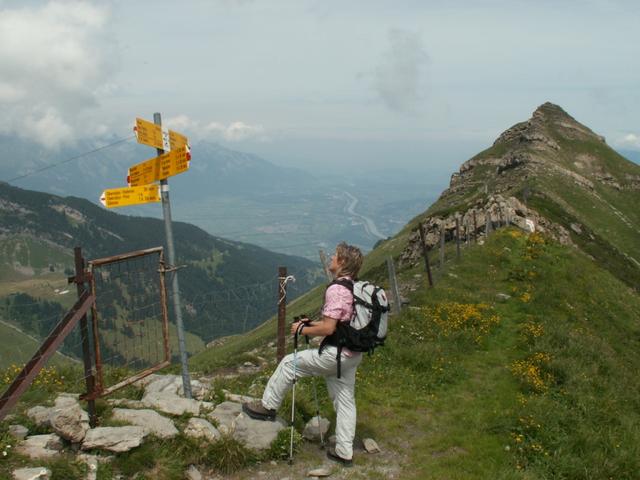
[(113, 439), (150, 420), (256, 434)]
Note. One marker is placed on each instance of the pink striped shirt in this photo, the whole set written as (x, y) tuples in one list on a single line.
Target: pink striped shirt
[(338, 304)]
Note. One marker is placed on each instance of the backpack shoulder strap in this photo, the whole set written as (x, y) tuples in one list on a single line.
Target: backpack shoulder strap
[(344, 282)]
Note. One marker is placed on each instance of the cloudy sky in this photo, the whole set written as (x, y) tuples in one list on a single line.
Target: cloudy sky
[(419, 84)]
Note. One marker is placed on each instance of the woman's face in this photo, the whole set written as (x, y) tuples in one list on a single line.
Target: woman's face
[(334, 266)]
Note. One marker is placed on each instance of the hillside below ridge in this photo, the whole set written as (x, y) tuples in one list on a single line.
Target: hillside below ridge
[(38, 232), (555, 172)]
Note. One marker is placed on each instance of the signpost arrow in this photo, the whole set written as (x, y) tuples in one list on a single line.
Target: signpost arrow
[(122, 197), (156, 136), (160, 167)]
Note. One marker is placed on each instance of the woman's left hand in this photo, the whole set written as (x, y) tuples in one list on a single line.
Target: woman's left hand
[(294, 327)]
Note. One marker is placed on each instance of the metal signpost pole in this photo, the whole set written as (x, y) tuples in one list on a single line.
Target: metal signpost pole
[(171, 257)]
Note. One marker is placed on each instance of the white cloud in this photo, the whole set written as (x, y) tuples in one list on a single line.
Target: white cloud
[(398, 77), (52, 62), (237, 131), (629, 140), (233, 132)]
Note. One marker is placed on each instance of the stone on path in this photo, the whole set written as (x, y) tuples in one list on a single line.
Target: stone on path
[(171, 403), (40, 415), (69, 420), (18, 432), (193, 473), (114, 439), (371, 446), (503, 297), (39, 473), (164, 383), (200, 428), (315, 427), (125, 402), (40, 446), (225, 414), (198, 389), (150, 420), (319, 472), (256, 434), (232, 397), (173, 384), (67, 399)]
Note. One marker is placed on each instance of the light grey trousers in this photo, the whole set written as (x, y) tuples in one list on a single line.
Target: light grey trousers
[(341, 390)]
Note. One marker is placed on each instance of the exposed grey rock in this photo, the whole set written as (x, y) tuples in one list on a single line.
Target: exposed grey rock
[(171, 403), (502, 297), (150, 420), (69, 420), (319, 472), (114, 439), (198, 389), (370, 445), (232, 397), (143, 382), (40, 446), (164, 383), (67, 399), (314, 427), (225, 414), (18, 431), (193, 473), (40, 415), (39, 473), (576, 227), (256, 434), (125, 402), (200, 428)]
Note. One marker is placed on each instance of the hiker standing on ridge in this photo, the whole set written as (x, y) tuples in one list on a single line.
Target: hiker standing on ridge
[(338, 307)]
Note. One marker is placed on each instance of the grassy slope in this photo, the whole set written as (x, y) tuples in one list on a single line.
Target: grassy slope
[(450, 404), (17, 348)]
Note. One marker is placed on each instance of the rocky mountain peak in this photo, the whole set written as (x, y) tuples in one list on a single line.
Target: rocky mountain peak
[(550, 110), (548, 125)]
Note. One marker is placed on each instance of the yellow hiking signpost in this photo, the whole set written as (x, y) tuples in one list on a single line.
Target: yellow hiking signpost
[(159, 168), (154, 135), (122, 197), (174, 156)]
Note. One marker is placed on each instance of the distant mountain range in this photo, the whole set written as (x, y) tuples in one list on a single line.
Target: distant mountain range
[(226, 286), (234, 194)]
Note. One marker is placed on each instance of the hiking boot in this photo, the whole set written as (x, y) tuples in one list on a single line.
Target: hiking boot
[(256, 411), (332, 455)]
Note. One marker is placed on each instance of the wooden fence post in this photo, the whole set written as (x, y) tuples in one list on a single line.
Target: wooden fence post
[(458, 237), (425, 254), (282, 311), (442, 245), (394, 285), (475, 227)]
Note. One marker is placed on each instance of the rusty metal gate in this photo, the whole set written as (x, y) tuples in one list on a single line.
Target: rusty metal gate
[(129, 317)]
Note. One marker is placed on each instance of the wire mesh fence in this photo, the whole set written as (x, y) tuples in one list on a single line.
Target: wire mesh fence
[(130, 324)]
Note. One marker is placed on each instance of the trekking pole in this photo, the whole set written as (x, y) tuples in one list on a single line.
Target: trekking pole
[(293, 393), (315, 398)]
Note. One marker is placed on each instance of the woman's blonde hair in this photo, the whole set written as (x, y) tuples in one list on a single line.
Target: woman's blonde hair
[(349, 259)]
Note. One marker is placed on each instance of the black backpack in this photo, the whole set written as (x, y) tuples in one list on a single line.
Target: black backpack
[(367, 328)]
